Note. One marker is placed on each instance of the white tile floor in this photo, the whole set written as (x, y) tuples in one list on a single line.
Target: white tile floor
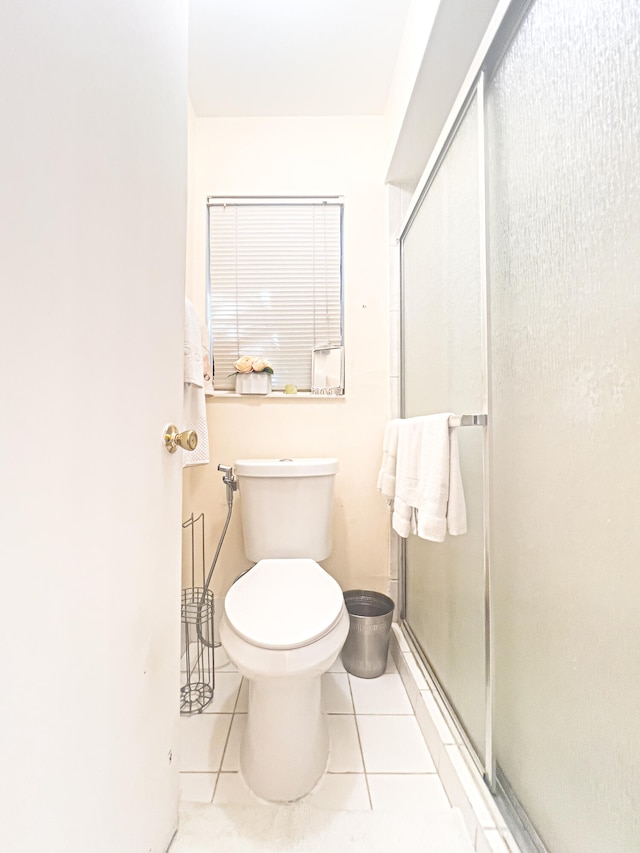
[(379, 759)]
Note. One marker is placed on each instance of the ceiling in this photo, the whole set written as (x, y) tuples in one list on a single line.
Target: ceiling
[(293, 57)]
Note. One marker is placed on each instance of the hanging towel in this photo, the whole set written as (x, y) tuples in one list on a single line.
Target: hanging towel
[(387, 473), (428, 499), (411, 475), (207, 361), (456, 505), (194, 409)]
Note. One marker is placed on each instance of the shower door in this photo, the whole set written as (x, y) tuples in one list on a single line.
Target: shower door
[(560, 150), (443, 361), (563, 122)]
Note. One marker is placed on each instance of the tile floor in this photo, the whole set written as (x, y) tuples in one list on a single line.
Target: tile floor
[(379, 759)]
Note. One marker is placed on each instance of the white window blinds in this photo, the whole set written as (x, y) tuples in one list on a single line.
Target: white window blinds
[(275, 284)]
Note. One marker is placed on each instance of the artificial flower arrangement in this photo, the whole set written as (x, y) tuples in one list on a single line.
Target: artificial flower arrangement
[(252, 364)]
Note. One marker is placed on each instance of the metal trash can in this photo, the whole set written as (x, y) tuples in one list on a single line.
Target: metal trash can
[(370, 615)]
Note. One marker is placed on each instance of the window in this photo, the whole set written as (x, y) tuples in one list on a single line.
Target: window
[(275, 284)]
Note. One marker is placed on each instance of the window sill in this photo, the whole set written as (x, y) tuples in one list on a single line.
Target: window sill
[(274, 395)]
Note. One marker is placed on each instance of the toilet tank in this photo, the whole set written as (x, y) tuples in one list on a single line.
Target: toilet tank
[(286, 506)]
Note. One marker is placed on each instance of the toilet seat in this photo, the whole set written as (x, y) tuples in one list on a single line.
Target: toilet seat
[(284, 604)]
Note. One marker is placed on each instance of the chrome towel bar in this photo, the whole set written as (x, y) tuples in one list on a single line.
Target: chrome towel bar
[(468, 420)]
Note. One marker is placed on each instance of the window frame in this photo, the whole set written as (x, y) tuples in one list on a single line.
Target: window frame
[(224, 382)]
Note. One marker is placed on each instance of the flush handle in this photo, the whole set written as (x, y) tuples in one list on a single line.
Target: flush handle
[(187, 440)]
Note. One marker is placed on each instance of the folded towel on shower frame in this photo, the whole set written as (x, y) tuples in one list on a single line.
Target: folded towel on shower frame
[(426, 485), (387, 473)]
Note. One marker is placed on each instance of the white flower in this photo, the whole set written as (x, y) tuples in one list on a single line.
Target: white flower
[(252, 364), (244, 364)]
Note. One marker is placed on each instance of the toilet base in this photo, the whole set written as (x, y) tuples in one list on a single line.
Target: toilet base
[(285, 748)]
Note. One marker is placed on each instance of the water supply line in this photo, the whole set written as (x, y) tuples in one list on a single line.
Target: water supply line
[(228, 478)]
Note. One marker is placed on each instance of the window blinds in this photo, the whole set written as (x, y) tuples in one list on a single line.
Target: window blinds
[(275, 284)]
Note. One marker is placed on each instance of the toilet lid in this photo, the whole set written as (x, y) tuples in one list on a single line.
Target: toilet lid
[(284, 604)]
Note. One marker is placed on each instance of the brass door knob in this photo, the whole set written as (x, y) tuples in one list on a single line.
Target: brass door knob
[(187, 440)]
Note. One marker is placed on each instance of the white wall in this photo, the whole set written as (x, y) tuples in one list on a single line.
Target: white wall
[(306, 156), (440, 42), (415, 38), (93, 204)]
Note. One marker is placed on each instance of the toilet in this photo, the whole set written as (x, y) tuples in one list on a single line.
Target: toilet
[(285, 622)]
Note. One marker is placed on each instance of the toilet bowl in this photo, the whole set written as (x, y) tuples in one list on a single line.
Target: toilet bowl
[(284, 624)]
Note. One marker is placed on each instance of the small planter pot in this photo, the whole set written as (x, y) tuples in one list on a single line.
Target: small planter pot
[(253, 383)]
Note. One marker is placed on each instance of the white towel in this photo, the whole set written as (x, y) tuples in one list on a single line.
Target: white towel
[(456, 505), (194, 409), (387, 473), (428, 498), (193, 373), (206, 361)]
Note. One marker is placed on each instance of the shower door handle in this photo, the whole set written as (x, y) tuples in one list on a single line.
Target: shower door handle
[(187, 440)]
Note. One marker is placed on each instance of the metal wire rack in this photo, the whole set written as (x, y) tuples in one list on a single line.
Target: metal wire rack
[(197, 610)]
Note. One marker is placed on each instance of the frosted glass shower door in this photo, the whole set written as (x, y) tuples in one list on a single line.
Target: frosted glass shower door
[(564, 140), (442, 371)]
